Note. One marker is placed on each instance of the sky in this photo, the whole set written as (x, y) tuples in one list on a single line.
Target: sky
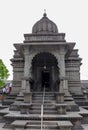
[(17, 17)]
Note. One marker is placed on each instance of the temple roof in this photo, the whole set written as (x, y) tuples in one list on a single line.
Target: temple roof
[(45, 25)]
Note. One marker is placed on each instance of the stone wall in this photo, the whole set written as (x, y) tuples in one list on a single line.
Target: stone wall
[(73, 72), (18, 71)]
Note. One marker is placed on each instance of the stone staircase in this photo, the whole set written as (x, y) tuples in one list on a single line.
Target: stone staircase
[(50, 119), (34, 116), (9, 99), (81, 100), (49, 103), (53, 116), (36, 125)]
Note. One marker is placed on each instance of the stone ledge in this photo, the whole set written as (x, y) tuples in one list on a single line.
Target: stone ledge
[(64, 123), (25, 104), (60, 104), (67, 116), (22, 123)]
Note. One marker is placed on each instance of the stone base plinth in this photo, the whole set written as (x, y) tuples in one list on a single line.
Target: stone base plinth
[(59, 97), (77, 124), (64, 125), (25, 108), (61, 108), (28, 97), (77, 128), (71, 106)]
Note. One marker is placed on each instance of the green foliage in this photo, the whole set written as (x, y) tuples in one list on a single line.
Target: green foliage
[(4, 73)]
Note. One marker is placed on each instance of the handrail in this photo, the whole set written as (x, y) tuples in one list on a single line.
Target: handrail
[(43, 95), (42, 107), (42, 117)]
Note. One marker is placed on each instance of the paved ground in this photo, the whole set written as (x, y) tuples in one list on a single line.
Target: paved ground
[(1, 125), (85, 126)]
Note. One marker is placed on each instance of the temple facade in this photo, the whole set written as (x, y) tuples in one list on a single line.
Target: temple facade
[(45, 57), (46, 92)]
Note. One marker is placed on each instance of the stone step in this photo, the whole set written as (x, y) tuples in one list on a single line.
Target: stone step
[(36, 97), (41, 99), (85, 107), (82, 103), (49, 117), (79, 97), (35, 125), (45, 107), (39, 127), (45, 122), (45, 104), (7, 102), (45, 101), (10, 97), (68, 99), (51, 98), (44, 97), (41, 93), (44, 112), (20, 99)]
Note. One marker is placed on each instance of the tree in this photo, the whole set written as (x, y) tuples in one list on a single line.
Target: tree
[(4, 73)]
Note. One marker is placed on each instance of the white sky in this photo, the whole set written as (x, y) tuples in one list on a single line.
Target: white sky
[(18, 16)]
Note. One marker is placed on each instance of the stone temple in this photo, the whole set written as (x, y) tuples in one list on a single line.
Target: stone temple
[(46, 91)]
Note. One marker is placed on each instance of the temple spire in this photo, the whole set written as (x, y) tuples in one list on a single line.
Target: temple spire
[(45, 15)]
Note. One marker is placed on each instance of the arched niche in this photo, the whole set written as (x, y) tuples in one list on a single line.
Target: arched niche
[(45, 71)]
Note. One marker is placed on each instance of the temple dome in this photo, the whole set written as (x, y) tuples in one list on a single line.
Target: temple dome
[(45, 26)]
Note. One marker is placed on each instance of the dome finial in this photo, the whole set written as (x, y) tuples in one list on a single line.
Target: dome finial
[(45, 26), (44, 13)]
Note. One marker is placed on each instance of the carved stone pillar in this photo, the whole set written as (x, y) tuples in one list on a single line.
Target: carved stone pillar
[(63, 80), (65, 87), (61, 87), (62, 65), (27, 69), (27, 75), (26, 64)]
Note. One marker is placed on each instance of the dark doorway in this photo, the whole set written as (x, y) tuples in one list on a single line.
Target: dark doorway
[(46, 79), (45, 71)]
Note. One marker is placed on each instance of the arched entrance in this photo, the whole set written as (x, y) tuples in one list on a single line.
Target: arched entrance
[(45, 71)]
